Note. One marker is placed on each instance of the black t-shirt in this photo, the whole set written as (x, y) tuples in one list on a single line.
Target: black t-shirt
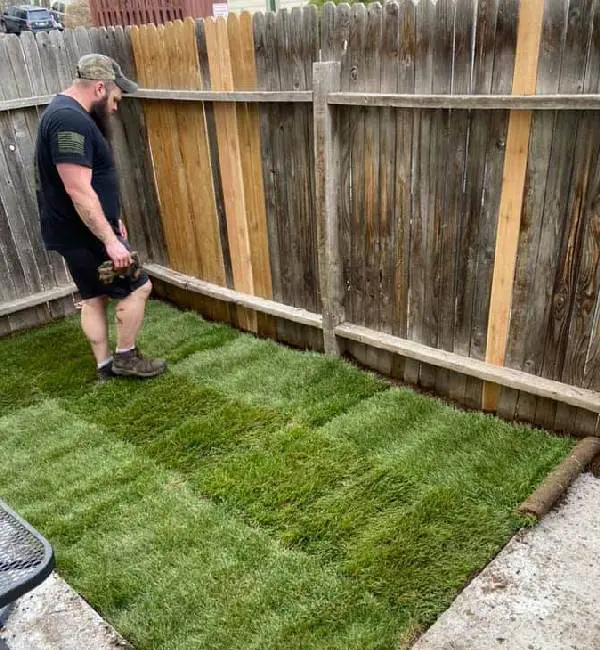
[(67, 134)]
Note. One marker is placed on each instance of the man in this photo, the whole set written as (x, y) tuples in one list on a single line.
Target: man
[(78, 197)]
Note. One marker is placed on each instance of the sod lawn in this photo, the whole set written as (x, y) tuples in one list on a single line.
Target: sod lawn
[(255, 496)]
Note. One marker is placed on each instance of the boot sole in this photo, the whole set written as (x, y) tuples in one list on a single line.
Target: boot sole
[(141, 375)]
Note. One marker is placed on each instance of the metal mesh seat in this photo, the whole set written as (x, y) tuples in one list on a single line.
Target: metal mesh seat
[(26, 558)]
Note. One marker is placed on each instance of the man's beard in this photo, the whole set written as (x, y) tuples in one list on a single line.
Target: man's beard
[(99, 113)]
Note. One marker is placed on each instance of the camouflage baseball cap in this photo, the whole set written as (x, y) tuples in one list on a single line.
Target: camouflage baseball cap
[(97, 67)]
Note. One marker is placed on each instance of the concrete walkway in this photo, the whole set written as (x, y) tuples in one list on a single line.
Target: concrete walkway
[(540, 593), (54, 617)]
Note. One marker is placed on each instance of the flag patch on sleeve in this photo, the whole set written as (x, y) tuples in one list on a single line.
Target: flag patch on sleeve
[(71, 142)]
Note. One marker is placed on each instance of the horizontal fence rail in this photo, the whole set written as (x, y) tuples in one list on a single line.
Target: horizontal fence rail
[(268, 307), (514, 379), (382, 100), (36, 299), (25, 102), (225, 96), (469, 102)]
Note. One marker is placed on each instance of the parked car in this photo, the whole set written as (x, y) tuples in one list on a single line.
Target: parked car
[(26, 18)]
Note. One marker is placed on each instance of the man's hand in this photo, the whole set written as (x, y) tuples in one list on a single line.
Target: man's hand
[(118, 254), (123, 229), (107, 272)]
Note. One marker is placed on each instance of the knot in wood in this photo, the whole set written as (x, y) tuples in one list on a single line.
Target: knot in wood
[(595, 227), (560, 302)]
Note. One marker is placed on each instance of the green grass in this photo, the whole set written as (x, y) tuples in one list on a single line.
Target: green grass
[(255, 496)]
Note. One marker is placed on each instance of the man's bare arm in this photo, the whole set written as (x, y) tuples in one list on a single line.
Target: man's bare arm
[(77, 180)]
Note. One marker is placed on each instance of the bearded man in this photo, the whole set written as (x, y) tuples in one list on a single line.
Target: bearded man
[(78, 198)]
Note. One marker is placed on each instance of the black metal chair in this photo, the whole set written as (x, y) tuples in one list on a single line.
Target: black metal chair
[(26, 558)]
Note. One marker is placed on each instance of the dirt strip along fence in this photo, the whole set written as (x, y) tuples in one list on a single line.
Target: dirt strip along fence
[(454, 246)]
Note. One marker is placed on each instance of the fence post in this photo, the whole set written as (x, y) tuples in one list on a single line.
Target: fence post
[(326, 79)]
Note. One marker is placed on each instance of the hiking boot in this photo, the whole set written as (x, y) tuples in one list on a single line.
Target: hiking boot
[(105, 373), (133, 364)]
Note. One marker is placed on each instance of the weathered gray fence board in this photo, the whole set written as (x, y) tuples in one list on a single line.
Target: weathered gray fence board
[(285, 148), (591, 377), (38, 86), (591, 369), (469, 313), (265, 55), (372, 184), (64, 71), (400, 270), (305, 44), (574, 178), (587, 188), (423, 67), (23, 263), (358, 77), (14, 283), (269, 60), (439, 255), (567, 174), (329, 51), (457, 161), (342, 23), (370, 164), (25, 126), (387, 148)]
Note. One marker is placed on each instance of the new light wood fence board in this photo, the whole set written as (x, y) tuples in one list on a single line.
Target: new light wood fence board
[(241, 44), (230, 162), (155, 115), (515, 167), (211, 130), (104, 43)]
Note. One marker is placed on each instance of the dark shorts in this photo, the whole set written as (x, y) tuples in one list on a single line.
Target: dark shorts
[(83, 265)]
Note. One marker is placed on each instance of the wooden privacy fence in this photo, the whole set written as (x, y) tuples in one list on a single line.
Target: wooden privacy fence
[(415, 185)]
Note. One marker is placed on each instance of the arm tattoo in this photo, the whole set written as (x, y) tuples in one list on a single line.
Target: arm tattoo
[(93, 217)]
